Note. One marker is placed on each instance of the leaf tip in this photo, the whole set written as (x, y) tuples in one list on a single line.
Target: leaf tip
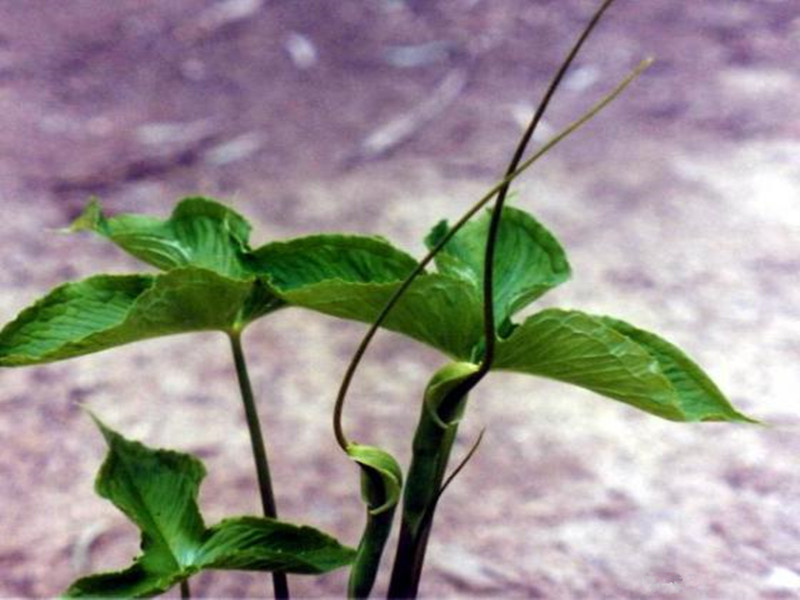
[(91, 219), (108, 433), (746, 420)]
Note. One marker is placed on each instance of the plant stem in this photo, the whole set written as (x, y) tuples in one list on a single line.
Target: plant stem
[(432, 445), (497, 211), (186, 592), (373, 540), (279, 581)]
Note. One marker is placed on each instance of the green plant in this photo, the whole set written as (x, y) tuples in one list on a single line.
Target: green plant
[(157, 490), (487, 269), (212, 280)]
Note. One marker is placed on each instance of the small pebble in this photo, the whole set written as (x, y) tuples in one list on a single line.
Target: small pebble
[(301, 50)]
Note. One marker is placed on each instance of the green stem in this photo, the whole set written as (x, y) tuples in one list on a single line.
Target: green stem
[(431, 453), (186, 592), (436, 431), (279, 581), (373, 540)]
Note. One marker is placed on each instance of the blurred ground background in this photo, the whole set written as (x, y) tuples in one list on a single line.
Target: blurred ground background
[(680, 207)]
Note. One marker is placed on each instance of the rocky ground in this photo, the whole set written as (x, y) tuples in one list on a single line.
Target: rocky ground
[(680, 207)]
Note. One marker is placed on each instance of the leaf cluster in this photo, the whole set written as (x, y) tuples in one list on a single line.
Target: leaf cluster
[(157, 490), (209, 278)]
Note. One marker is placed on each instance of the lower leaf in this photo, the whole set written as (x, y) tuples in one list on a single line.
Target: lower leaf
[(157, 490)]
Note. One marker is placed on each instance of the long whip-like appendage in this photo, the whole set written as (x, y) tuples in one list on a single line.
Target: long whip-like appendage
[(549, 145)]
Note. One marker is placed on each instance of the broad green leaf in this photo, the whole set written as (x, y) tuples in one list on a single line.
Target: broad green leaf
[(133, 582), (577, 348), (107, 311), (438, 310), (310, 260), (110, 310), (528, 260), (260, 544), (157, 490), (700, 398), (200, 233), (381, 484), (204, 233)]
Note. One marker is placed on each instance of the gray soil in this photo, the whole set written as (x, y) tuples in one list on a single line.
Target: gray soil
[(680, 207)]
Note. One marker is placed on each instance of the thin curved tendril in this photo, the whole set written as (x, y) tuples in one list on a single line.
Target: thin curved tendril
[(550, 144), (460, 466), (427, 518), (494, 225)]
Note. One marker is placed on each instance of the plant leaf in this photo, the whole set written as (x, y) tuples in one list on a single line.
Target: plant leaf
[(577, 348), (528, 260), (310, 260), (134, 582), (617, 360), (700, 398), (157, 490), (438, 310), (200, 232), (259, 544), (204, 233), (111, 310), (213, 281)]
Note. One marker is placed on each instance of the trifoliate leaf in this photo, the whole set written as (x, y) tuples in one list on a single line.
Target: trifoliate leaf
[(528, 260), (213, 281), (157, 490), (204, 233)]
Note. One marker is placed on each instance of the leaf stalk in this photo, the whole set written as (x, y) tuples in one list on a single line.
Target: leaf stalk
[(279, 581)]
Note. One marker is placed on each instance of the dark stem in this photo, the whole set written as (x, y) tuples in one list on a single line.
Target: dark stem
[(259, 450), (494, 226), (186, 592)]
